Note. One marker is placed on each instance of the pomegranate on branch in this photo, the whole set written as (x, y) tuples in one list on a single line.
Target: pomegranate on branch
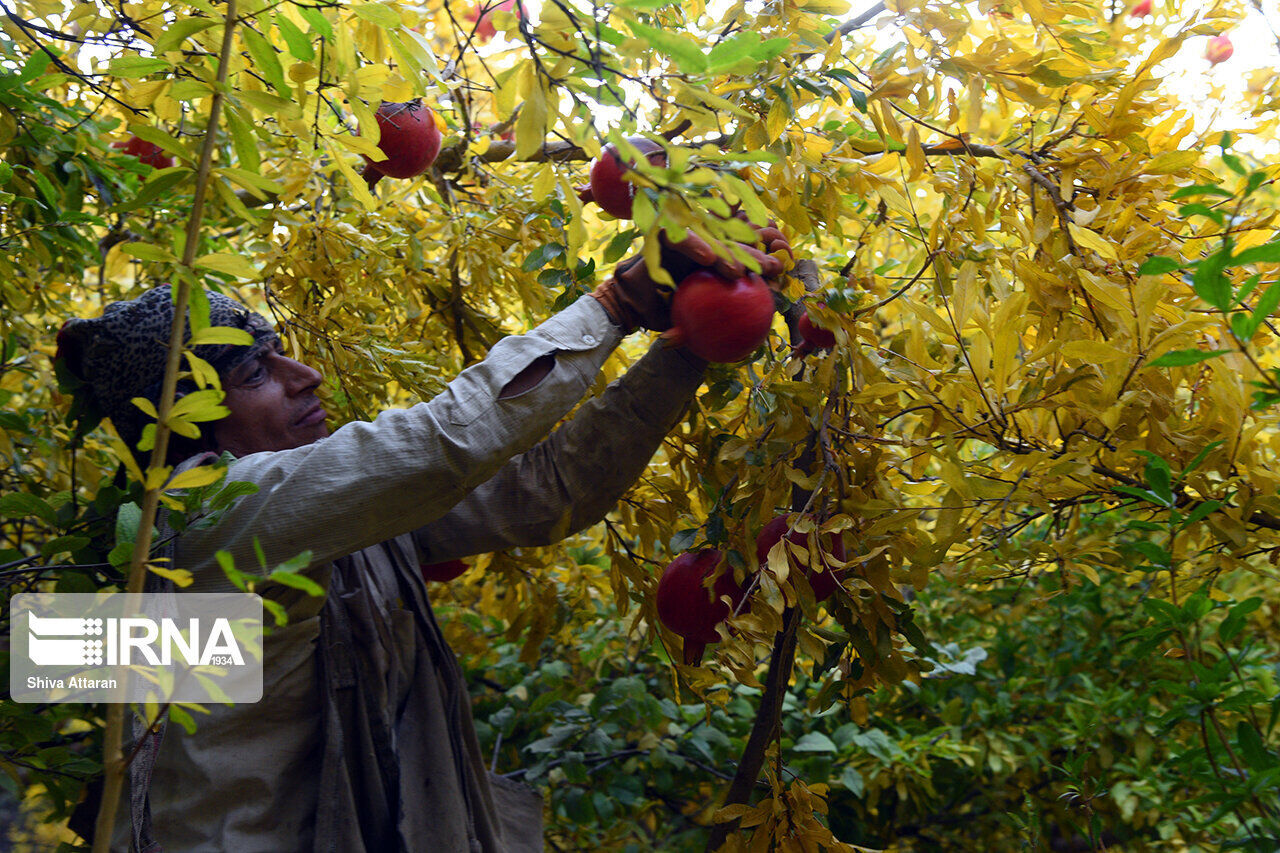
[(609, 185), (824, 583), (1219, 49), (442, 572), (482, 17), (720, 319), (688, 608), (409, 140), (146, 152), (813, 336)]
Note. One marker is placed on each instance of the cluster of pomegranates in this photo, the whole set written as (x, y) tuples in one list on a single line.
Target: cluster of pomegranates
[(718, 319), (688, 608)]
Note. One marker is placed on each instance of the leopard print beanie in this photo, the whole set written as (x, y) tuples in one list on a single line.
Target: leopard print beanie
[(122, 354)]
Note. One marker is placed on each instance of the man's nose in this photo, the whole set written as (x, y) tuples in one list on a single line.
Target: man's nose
[(302, 378)]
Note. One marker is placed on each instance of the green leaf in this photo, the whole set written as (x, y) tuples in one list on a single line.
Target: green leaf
[(686, 52), (1197, 209), (299, 45), (541, 256), (1184, 357), (243, 140), (181, 30), (1162, 611), (128, 519), (1199, 458), (148, 252), (815, 742), (296, 581), (22, 505), (730, 52), (1267, 253), (851, 779), (1158, 265), (1254, 749), (228, 263), (319, 23), (266, 61), (161, 181), (378, 14), (1158, 476), (137, 66), (1234, 164), (1210, 283), (63, 545), (619, 245), (1200, 189), (1202, 511), (1153, 552)]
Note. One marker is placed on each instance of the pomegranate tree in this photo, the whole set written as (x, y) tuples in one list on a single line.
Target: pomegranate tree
[(721, 319), (408, 139), (824, 583), (609, 186), (688, 608)]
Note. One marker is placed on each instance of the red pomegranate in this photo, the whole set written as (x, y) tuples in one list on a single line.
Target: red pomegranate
[(146, 152), (409, 139), (823, 583), (442, 572), (609, 188), (1219, 49), (482, 16), (687, 607), (815, 337), (721, 319)]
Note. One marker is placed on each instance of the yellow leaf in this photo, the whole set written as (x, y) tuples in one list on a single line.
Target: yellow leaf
[(1172, 161), (201, 475), (146, 406), (779, 115), (779, 564), (156, 477), (1092, 240), (1093, 352), (221, 335), (180, 577), (531, 126), (198, 406), (544, 182), (359, 188), (229, 263), (915, 154), (124, 455)]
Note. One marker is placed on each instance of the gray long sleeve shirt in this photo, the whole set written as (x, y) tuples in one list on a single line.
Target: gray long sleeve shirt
[(363, 739)]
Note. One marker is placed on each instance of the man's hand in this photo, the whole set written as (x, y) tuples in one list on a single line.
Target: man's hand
[(634, 300)]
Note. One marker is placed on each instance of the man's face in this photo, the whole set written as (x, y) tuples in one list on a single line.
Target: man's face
[(273, 405)]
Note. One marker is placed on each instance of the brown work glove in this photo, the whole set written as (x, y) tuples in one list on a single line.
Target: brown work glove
[(632, 299)]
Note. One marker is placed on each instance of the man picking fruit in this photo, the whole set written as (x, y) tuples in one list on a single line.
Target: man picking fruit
[(363, 740)]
